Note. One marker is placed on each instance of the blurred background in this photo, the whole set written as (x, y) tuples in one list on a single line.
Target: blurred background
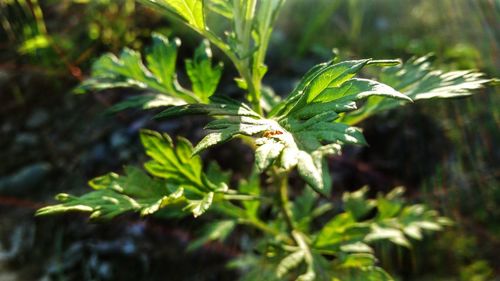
[(445, 152)]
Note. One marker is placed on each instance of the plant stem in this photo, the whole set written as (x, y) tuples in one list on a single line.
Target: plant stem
[(239, 214), (284, 203), (243, 67), (253, 92)]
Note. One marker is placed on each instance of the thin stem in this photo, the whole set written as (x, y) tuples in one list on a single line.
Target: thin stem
[(242, 67), (248, 22), (254, 94), (262, 226), (284, 202), (238, 213)]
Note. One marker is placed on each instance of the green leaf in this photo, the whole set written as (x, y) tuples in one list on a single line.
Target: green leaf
[(251, 186), (356, 89), (356, 247), (290, 262), (330, 76), (203, 76), (385, 233), (178, 165), (343, 228), (116, 195), (418, 80), (128, 70), (186, 184), (302, 209), (190, 11), (161, 60), (302, 129), (218, 107), (158, 76), (198, 207), (309, 171), (369, 273), (216, 231), (358, 260), (357, 204), (307, 117), (266, 153), (216, 178), (146, 101), (172, 163), (388, 208)]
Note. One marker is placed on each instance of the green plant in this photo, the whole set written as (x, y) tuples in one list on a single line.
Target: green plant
[(314, 121)]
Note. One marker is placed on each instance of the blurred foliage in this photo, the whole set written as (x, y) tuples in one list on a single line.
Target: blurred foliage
[(457, 31), (89, 28)]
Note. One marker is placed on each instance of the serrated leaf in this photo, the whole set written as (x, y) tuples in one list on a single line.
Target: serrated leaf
[(356, 247), (217, 178), (357, 204), (116, 195), (290, 262), (147, 101), (385, 233), (342, 228), (104, 181), (266, 153), (164, 201), (198, 207), (161, 59), (309, 171), (180, 183), (418, 80), (358, 260), (218, 230), (203, 76), (302, 129), (219, 107), (128, 70), (189, 10), (356, 89), (315, 81), (172, 163)]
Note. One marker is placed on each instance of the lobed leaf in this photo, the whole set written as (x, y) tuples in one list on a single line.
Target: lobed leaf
[(418, 80), (203, 76), (179, 182), (114, 195), (395, 222), (301, 129), (158, 76), (191, 11)]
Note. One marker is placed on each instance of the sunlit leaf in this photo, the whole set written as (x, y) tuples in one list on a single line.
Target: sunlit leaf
[(190, 11), (418, 80), (116, 195), (204, 77), (302, 128)]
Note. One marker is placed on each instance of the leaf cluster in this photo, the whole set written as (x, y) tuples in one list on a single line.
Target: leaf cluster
[(314, 121), (184, 184)]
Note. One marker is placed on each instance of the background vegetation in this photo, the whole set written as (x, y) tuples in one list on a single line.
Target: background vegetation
[(444, 152)]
